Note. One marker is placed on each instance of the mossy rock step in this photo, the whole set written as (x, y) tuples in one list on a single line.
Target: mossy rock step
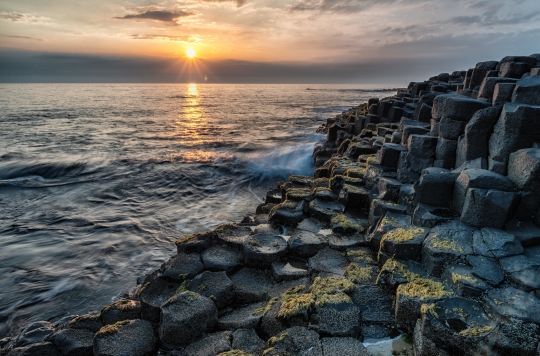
[(404, 242), (463, 282), (325, 210), (232, 234), (457, 324), (306, 243), (126, 338), (288, 213)]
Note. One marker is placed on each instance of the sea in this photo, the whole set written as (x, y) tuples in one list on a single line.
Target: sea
[(97, 181)]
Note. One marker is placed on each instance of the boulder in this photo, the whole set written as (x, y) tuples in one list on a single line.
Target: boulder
[(388, 189), (389, 154), (210, 345), (183, 265), (480, 71), (195, 242), (430, 216), (262, 249), (325, 210), (502, 93), (247, 340), (507, 303), (409, 130), (445, 153), (374, 303), (186, 316), (488, 86), (517, 338), (451, 129), (486, 268), (245, 317), (514, 69), (526, 232), (463, 282), (33, 333), (343, 346), (524, 169), (288, 213), (422, 146), (90, 322), (517, 128), (153, 295), (444, 246), (37, 349), (495, 243), (404, 243), (232, 234), (475, 141), (251, 285), (523, 269), (329, 261), (214, 285), (222, 258), (284, 271), (435, 187), (478, 178), (458, 326), (336, 319), (295, 341), (306, 243), (124, 309), (380, 207), (490, 208), (457, 107), (126, 338), (74, 342), (386, 223)]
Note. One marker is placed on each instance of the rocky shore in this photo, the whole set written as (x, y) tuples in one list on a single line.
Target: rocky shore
[(422, 218)]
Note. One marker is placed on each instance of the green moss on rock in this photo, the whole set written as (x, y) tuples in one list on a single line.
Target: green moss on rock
[(111, 329)]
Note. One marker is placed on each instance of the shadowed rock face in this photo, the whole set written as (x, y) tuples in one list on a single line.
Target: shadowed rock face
[(423, 214)]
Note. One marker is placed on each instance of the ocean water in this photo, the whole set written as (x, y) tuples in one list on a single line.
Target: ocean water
[(98, 181)]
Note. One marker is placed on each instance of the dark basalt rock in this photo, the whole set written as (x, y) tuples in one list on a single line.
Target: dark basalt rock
[(306, 243), (124, 309), (328, 260), (222, 258), (37, 349), (186, 316), (210, 345), (153, 295), (182, 265), (262, 249), (251, 285), (248, 341), (127, 338), (33, 333), (214, 285), (74, 342), (343, 346)]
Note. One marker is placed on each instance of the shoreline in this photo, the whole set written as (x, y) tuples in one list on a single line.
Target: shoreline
[(422, 217)]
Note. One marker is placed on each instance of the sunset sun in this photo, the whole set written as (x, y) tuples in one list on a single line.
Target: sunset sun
[(191, 53)]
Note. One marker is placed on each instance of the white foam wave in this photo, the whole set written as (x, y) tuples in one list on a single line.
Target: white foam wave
[(282, 161)]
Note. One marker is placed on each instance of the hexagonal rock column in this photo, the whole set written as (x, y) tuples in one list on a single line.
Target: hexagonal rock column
[(184, 317), (262, 250), (457, 326), (517, 128), (126, 338)]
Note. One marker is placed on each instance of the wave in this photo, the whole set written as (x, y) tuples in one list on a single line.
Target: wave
[(281, 162)]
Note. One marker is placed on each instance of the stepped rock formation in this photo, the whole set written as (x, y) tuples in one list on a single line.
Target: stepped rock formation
[(422, 217)]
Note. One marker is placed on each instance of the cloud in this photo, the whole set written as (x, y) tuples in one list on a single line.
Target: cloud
[(173, 38), (338, 6), (22, 17), (156, 14), (23, 38), (465, 20), (239, 3)]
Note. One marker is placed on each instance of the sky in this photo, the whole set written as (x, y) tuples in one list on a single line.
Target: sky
[(289, 41)]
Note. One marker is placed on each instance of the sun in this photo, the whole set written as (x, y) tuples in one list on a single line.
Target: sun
[(191, 53)]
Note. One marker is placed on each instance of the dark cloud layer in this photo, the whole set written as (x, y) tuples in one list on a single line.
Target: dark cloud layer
[(157, 15), (239, 3)]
